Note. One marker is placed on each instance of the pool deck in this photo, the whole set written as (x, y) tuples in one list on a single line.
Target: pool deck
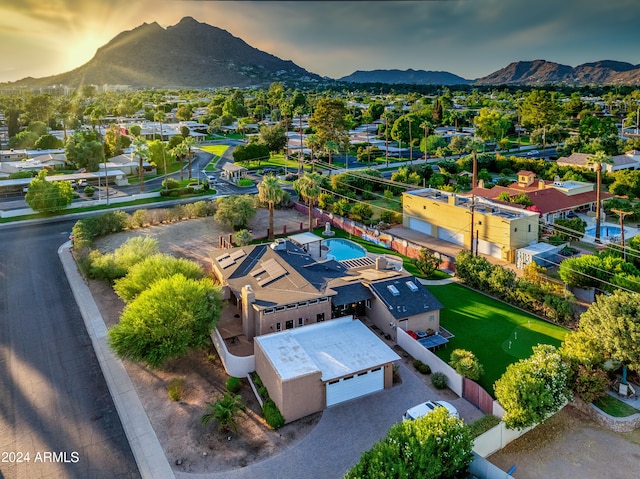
[(629, 231)]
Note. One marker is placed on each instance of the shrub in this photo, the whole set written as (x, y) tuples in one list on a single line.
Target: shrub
[(171, 184), (139, 218), (272, 414), (421, 367), (439, 380), (233, 384), (175, 389), (466, 364), (591, 383), (264, 393), (89, 191), (483, 424), (245, 182)]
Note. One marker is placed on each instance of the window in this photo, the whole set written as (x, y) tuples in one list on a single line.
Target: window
[(323, 300), (291, 306), (302, 305), (300, 322), (529, 229), (278, 327), (320, 317), (280, 308), (367, 303), (268, 311), (289, 324)]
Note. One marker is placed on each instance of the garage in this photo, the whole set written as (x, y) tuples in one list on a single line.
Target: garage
[(450, 236), (323, 364), (420, 226), (491, 249), (351, 387)]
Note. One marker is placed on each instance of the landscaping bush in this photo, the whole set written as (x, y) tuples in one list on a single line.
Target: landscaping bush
[(245, 182), (233, 384), (439, 380), (483, 424), (171, 184), (175, 389), (139, 218), (89, 191), (421, 367), (466, 364), (272, 414)]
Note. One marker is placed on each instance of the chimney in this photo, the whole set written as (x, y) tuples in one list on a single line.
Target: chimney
[(480, 183), (248, 322), (541, 184), (381, 263)]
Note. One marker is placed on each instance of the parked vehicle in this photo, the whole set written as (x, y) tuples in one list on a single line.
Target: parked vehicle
[(412, 334), (533, 153), (425, 408)]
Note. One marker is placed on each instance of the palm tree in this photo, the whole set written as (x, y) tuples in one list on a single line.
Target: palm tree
[(313, 142), (160, 116), (270, 192), (224, 410), (141, 150), (474, 147), (597, 160), (308, 186), (180, 151), (189, 141)]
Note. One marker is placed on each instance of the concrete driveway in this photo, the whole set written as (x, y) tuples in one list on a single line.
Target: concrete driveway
[(344, 432)]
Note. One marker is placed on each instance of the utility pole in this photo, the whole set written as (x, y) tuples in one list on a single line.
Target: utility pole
[(473, 206), (622, 214)]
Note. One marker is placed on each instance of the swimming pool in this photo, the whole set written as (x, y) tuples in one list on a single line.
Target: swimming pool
[(341, 249), (605, 231)]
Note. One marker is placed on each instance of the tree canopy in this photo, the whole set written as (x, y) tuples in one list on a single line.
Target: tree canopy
[(48, 196), (173, 315), (436, 446), (533, 388)]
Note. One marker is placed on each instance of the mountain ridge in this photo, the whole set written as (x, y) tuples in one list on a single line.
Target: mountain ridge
[(189, 54), (192, 54)]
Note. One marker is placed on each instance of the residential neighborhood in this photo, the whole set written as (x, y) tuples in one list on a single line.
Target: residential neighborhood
[(231, 267)]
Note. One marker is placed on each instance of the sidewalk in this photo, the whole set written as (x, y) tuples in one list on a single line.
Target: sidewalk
[(144, 443)]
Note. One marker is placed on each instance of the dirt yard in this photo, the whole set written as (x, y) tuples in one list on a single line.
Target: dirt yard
[(188, 445), (571, 446)]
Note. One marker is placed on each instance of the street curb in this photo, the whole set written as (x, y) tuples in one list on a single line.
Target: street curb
[(149, 455)]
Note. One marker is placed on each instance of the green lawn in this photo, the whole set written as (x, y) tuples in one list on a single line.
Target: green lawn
[(217, 150), (614, 407), (495, 332)]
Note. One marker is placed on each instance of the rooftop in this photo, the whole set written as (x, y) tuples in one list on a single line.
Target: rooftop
[(336, 348)]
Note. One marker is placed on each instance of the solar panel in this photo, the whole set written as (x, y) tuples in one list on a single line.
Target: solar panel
[(225, 263), (222, 256), (238, 254)]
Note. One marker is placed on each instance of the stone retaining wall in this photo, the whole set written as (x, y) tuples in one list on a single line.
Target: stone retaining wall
[(617, 424)]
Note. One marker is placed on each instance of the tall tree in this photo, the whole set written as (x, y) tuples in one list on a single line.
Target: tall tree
[(141, 150), (308, 186), (270, 192), (539, 109), (610, 327), (597, 161), (189, 142), (329, 122)]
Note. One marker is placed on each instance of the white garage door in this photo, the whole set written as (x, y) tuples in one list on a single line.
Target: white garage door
[(355, 386), (491, 249), (450, 236), (419, 225)]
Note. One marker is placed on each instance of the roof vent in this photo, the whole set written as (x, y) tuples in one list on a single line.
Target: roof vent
[(393, 290), (412, 286)]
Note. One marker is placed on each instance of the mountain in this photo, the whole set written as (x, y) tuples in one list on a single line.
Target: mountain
[(542, 72), (187, 55), (417, 77)]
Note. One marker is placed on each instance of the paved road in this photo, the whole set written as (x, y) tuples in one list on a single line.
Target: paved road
[(53, 397)]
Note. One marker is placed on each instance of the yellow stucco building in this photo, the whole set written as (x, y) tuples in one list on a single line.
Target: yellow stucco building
[(496, 229)]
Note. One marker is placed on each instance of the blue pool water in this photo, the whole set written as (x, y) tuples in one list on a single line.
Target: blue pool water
[(604, 231), (341, 249)]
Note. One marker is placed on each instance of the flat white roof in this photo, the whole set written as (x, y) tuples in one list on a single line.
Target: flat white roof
[(305, 238), (336, 348)]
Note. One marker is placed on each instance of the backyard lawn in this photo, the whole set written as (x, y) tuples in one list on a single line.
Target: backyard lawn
[(495, 332)]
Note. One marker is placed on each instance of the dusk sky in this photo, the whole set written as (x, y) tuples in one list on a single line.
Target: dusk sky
[(470, 38)]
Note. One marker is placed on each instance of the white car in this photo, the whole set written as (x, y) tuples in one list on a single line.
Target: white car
[(533, 153), (421, 410)]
